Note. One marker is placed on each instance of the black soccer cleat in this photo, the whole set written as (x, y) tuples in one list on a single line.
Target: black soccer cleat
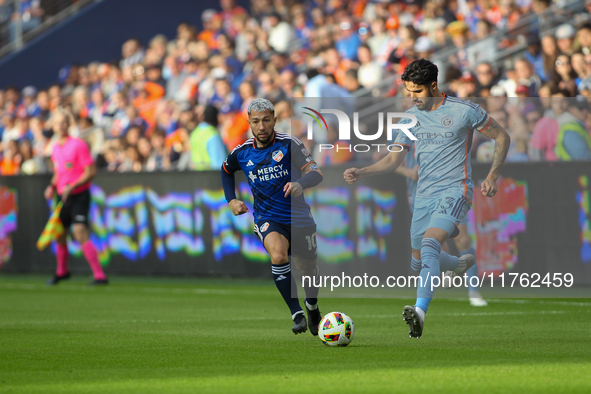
[(99, 282), (299, 323), (314, 318), (414, 321), (55, 280)]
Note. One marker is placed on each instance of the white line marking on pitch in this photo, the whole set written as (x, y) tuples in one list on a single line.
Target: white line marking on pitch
[(157, 321), (165, 290)]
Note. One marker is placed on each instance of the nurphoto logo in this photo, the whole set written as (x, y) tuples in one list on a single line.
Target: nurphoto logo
[(344, 128)]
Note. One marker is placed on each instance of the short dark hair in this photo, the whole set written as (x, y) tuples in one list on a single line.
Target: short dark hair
[(552, 86), (210, 115), (351, 73), (158, 133), (365, 46), (331, 77), (564, 92), (452, 73), (420, 72)]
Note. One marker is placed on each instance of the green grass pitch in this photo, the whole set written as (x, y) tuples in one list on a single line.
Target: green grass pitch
[(142, 335)]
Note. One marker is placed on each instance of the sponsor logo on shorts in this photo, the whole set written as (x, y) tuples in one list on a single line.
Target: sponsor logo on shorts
[(265, 227), (79, 218), (277, 156)]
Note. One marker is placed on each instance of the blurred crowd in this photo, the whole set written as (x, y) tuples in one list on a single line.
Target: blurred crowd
[(26, 15), (180, 104)]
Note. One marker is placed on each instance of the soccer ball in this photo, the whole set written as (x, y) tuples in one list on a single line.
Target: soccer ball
[(336, 329)]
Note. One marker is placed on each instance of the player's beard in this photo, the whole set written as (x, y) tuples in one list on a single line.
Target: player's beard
[(425, 101), (264, 141)]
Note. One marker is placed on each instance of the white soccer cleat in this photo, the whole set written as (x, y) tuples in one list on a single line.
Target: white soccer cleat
[(476, 299)]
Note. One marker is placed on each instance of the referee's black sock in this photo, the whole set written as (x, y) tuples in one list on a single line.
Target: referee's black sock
[(284, 281)]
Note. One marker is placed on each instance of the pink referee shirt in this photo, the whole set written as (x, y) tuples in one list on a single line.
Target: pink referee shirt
[(544, 137), (69, 161)]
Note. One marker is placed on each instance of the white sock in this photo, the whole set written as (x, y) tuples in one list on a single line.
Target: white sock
[(421, 313), (311, 307), (295, 314)]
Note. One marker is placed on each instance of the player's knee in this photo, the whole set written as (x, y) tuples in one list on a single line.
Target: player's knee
[(279, 257), (80, 233), (437, 234), (416, 253)]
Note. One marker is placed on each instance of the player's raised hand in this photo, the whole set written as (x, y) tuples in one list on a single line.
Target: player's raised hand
[(489, 187), (238, 207), (293, 188), (352, 175)]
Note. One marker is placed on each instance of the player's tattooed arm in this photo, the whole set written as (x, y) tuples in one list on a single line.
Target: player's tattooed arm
[(502, 141)]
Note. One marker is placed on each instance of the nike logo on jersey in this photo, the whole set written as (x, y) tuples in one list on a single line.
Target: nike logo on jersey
[(250, 163)]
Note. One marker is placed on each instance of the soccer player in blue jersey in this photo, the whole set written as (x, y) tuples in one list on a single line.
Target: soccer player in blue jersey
[(444, 191), (279, 168), (461, 237)]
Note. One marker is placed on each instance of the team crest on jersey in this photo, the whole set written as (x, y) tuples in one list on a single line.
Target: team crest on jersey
[(265, 227), (447, 121), (277, 156), (69, 165)]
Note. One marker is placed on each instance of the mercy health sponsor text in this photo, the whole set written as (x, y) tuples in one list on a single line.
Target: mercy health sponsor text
[(268, 173)]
